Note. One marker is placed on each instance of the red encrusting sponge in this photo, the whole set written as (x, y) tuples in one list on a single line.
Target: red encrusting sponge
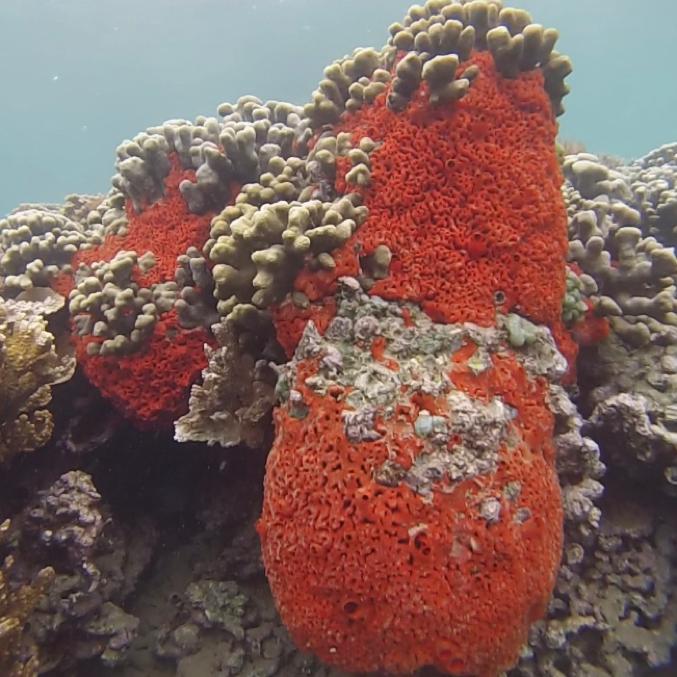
[(150, 386), (377, 577)]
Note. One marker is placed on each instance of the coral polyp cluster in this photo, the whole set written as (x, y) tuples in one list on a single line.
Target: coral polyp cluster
[(462, 240)]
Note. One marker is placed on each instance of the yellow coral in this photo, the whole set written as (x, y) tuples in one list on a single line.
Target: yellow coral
[(18, 656), (29, 365)]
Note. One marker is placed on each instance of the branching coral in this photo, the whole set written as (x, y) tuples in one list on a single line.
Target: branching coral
[(635, 274), (128, 337), (37, 243), (149, 294), (631, 278)]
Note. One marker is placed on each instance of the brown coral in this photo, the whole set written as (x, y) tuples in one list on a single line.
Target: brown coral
[(29, 365), (18, 657)]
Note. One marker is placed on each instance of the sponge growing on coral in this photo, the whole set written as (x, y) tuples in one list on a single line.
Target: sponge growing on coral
[(412, 514)]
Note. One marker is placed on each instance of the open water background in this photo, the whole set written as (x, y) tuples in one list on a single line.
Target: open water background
[(79, 76)]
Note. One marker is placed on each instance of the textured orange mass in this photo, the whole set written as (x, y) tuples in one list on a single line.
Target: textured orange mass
[(166, 228), (371, 577), (467, 198), (151, 386), (377, 578)]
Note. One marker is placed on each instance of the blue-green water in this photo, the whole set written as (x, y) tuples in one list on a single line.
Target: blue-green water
[(79, 76)]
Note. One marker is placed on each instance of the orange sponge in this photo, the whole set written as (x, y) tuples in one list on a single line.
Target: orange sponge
[(392, 538), (412, 512)]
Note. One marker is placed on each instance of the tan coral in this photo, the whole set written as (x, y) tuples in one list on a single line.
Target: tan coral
[(258, 251), (636, 275), (442, 28), (37, 243)]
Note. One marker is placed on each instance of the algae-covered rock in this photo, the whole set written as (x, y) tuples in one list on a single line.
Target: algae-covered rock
[(614, 610), (96, 563), (67, 518), (218, 604), (111, 630), (575, 307), (632, 395)]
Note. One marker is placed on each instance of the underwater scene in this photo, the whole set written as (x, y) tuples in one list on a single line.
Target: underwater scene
[(369, 370)]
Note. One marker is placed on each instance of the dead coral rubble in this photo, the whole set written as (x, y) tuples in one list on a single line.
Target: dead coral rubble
[(224, 622), (614, 610)]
